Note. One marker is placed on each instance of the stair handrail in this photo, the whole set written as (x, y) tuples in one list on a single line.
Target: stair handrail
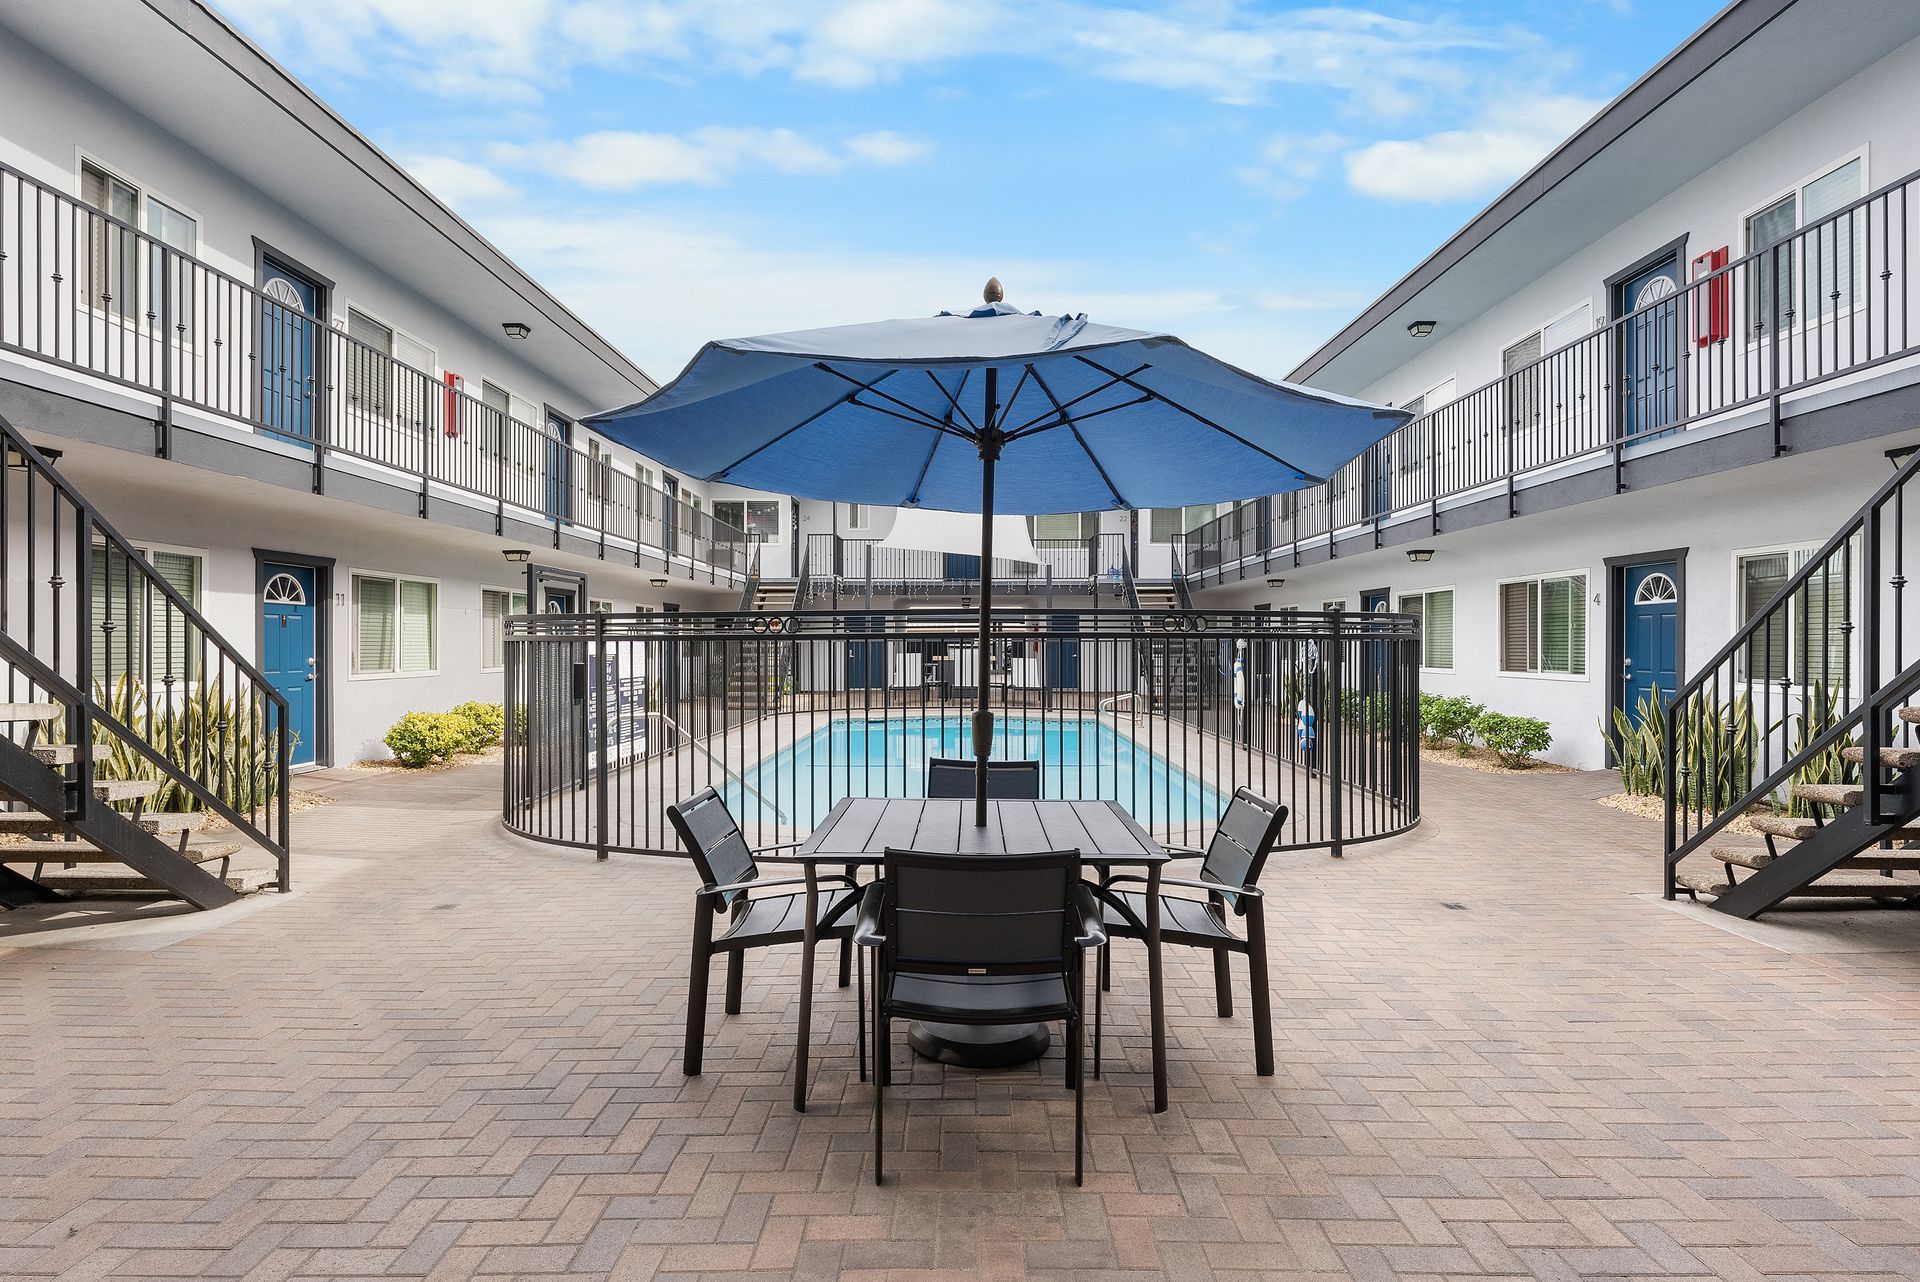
[(1877, 697), (98, 527)]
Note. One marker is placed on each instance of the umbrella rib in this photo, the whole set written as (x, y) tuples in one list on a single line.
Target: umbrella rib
[(1075, 401), (1025, 373), (1204, 421), (1070, 419), (923, 418), (1072, 427), (953, 397), (768, 444)]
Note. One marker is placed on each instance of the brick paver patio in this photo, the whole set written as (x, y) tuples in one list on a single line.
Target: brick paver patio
[(452, 1053)]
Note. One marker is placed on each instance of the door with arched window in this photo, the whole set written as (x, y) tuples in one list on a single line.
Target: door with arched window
[(1649, 636), (289, 651)]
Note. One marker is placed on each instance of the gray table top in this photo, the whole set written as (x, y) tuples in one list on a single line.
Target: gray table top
[(859, 830)]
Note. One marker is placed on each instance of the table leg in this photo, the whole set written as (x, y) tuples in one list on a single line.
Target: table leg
[(806, 994), (1156, 998)]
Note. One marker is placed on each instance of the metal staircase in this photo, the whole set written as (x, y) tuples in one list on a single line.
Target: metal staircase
[(1804, 724), (128, 725)]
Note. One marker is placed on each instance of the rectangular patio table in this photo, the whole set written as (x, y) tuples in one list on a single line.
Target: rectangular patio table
[(860, 829)]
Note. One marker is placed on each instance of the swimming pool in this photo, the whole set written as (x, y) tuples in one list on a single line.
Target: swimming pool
[(1080, 759)]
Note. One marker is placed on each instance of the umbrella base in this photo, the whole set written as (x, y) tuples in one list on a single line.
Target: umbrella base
[(978, 1045)]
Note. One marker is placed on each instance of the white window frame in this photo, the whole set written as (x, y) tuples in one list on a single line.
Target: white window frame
[(510, 594), (864, 526), (1333, 603), (1740, 619), (1798, 191), (143, 194), (1219, 510), (1586, 648), (146, 548), (1426, 621), (354, 575)]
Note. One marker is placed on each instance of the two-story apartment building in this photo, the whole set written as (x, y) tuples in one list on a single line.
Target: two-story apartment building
[(1653, 375), (324, 406)]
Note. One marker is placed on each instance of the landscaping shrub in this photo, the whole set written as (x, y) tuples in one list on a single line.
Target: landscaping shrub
[(420, 738), (1514, 740), (1639, 746), (1444, 717), (489, 723), (202, 731)]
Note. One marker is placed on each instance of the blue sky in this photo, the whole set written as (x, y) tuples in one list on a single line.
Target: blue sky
[(1244, 175)]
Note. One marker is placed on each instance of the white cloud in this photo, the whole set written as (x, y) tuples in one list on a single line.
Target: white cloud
[(729, 278), (458, 182), (885, 147), (1457, 164), (1229, 50), (1289, 163), (622, 160)]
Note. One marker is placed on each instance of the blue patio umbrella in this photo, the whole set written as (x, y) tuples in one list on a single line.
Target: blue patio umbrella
[(992, 410)]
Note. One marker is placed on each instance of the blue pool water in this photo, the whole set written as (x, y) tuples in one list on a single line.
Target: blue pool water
[(1084, 759)]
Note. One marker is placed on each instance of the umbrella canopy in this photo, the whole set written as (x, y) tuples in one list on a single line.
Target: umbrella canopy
[(992, 410), (1088, 416)]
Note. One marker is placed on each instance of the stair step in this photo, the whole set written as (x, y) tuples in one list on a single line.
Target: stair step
[(124, 789), (1829, 794), (55, 853), (1911, 714), (1785, 826), (55, 754), (29, 711), (1885, 860), (107, 880), (1891, 758), (28, 823), (1831, 886), (1743, 858)]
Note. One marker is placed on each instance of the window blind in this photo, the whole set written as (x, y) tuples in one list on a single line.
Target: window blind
[(493, 628), (373, 625), (1563, 625), (1415, 606), (416, 626), (1437, 646), (1831, 256), (1517, 626), (1766, 653)]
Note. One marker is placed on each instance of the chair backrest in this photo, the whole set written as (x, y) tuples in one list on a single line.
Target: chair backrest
[(963, 914), (711, 836), (1248, 832), (1006, 780)]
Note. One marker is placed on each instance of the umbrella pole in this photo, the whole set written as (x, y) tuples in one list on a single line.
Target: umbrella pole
[(983, 712)]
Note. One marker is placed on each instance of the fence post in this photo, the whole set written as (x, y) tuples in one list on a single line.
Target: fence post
[(163, 446), (597, 678), (1332, 715)]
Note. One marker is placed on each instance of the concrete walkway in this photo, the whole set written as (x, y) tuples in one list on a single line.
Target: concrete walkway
[(450, 1053)]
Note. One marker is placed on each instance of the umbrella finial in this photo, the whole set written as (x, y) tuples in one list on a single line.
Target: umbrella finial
[(994, 292)]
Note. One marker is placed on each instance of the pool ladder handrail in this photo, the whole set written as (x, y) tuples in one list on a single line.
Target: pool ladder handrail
[(726, 771)]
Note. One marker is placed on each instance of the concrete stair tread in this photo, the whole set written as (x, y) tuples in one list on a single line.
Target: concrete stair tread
[(1910, 714), (1753, 858), (1891, 758), (124, 881), (1829, 794), (29, 711), (1785, 826), (1868, 860), (1709, 881), (124, 789), (55, 754), (54, 853), (33, 824)]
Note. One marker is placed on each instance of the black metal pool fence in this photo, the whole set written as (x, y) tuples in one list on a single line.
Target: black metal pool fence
[(611, 717)]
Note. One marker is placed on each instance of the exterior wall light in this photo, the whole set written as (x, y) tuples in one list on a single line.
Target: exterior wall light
[(517, 330), (17, 459), (1420, 329), (1420, 556), (517, 556), (658, 583), (1276, 583)]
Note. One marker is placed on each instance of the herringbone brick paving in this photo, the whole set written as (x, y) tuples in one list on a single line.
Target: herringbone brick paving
[(459, 1057)]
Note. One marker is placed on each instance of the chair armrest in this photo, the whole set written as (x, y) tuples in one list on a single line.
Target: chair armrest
[(866, 929), (1093, 930), (765, 883), (1238, 894)]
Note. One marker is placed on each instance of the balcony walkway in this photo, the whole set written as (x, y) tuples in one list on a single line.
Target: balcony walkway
[(452, 1053)]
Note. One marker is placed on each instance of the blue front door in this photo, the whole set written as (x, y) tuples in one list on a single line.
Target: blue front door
[(866, 660), (1649, 349), (287, 653), (289, 334), (1063, 655), (1650, 634)]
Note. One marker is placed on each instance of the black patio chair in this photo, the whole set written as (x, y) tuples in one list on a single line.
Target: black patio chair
[(979, 939), (1248, 832), (1006, 780), (729, 872)]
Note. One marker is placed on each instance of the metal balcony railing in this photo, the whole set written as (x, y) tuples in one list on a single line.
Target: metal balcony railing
[(844, 566), (89, 293), (1829, 301)]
